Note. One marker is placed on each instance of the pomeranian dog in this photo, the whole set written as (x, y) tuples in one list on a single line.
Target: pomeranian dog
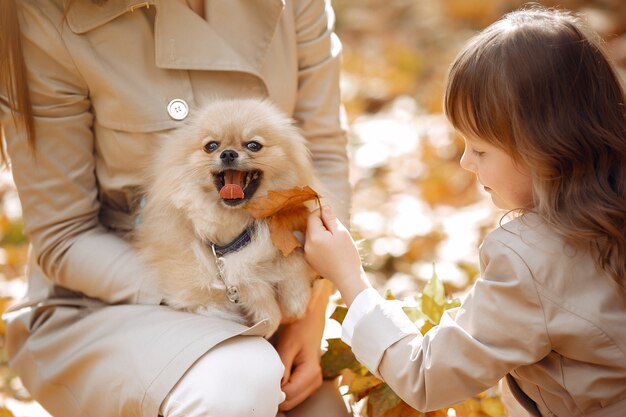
[(209, 253)]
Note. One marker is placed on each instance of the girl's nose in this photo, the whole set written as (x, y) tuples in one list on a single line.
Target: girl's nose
[(465, 161)]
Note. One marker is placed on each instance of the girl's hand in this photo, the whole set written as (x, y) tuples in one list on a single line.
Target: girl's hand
[(330, 250)]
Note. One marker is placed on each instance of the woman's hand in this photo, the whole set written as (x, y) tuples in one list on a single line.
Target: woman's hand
[(298, 346), (330, 250)]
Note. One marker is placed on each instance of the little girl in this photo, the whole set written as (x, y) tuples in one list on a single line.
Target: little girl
[(543, 117)]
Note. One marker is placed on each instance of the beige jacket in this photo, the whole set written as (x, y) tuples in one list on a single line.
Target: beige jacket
[(100, 84), (542, 314)]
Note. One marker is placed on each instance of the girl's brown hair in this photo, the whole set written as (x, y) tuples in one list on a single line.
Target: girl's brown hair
[(13, 71), (538, 84)]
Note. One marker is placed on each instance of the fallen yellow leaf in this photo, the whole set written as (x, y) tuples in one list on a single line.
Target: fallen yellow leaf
[(5, 412)]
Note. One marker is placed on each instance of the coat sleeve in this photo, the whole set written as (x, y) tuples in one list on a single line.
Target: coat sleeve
[(56, 181), (318, 104), (499, 326)]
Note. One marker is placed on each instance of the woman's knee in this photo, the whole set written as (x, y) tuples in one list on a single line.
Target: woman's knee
[(238, 377)]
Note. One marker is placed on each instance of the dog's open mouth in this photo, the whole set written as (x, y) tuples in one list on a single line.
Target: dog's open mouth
[(236, 187)]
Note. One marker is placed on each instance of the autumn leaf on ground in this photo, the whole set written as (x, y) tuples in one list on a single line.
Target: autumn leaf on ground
[(339, 314), (389, 295), (405, 410), (337, 357), (480, 406), (381, 402), (4, 303), (285, 213), (361, 386), (5, 412), (437, 413), (493, 407)]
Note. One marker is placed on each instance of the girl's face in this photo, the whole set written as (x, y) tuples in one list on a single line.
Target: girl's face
[(508, 183)]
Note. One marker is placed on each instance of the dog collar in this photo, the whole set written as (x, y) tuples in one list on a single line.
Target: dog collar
[(240, 242), (232, 292)]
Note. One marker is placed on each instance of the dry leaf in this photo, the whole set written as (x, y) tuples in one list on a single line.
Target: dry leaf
[(360, 387), (338, 356), (382, 401), (4, 303), (347, 376), (339, 314), (433, 298), (285, 212), (277, 200), (438, 413), (282, 226), (405, 410)]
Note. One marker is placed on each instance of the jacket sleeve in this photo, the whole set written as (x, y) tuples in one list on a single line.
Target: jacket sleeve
[(499, 326), (318, 106), (56, 181)]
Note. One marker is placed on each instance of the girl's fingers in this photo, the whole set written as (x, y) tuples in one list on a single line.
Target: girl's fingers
[(329, 219), (314, 221)]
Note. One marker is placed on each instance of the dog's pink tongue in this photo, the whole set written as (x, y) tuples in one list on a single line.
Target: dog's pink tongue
[(232, 189)]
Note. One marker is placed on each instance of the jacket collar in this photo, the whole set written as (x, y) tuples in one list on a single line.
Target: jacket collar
[(235, 36), (86, 15)]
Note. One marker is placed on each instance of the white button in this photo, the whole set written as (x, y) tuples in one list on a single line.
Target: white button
[(177, 109)]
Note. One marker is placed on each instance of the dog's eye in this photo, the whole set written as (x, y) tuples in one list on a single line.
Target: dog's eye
[(254, 146), (211, 146)]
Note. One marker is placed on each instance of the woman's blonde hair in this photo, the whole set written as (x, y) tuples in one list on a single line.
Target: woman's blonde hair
[(538, 84), (13, 70)]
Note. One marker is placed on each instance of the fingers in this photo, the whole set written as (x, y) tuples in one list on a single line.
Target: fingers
[(288, 363), (323, 220), (329, 218), (286, 375), (314, 221), (305, 380)]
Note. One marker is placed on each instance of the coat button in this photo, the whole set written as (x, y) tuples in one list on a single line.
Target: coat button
[(177, 109)]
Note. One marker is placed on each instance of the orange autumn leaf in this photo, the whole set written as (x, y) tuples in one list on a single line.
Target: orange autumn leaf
[(5, 412), (438, 413), (285, 213), (282, 226), (405, 410), (277, 200), (4, 303)]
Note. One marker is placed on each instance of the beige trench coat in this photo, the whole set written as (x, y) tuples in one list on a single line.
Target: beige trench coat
[(100, 83), (542, 314)]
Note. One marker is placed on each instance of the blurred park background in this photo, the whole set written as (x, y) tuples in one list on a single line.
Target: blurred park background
[(413, 204)]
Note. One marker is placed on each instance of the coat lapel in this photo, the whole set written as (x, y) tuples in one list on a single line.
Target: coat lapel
[(86, 15), (234, 37)]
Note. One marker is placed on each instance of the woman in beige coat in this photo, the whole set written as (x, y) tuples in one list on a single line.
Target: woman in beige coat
[(106, 79), (544, 121)]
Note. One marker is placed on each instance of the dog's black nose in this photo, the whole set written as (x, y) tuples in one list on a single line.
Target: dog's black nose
[(228, 156)]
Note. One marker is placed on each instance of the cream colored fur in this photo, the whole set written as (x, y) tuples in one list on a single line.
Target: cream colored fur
[(183, 211)]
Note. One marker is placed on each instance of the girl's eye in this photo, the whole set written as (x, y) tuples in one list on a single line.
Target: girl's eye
[(477, 153), (211, 147), (254, 146)]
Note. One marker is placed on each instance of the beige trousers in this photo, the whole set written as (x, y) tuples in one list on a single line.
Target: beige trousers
[(97, 360)]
